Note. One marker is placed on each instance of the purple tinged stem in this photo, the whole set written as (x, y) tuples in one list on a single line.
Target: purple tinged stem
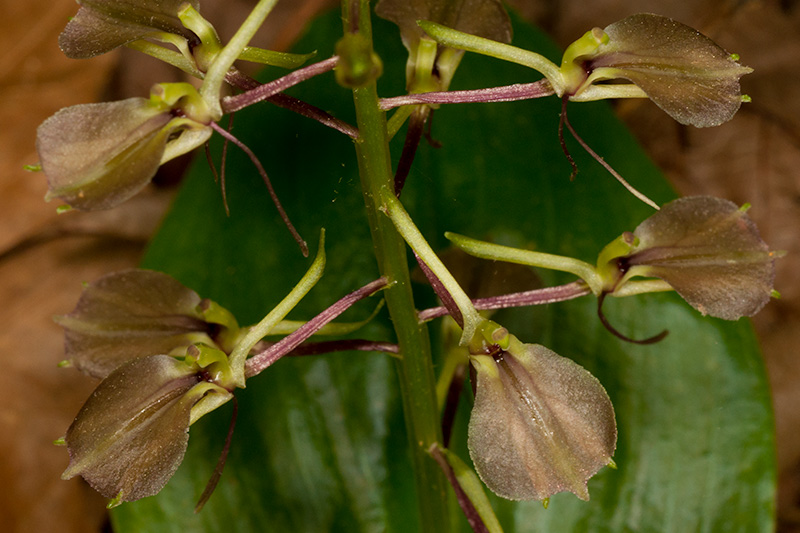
[(223, 162), (451, 402), (443, 294), (468, 508), (263, 92), (263, 360), (609, 168), (246, 83), (547, 295), (506, 93), (300, 241), (561, 119), (416, 125), (345, 345), (223, 456), (614, 331)]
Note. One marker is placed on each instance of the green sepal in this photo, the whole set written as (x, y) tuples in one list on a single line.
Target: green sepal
[(274, 59)]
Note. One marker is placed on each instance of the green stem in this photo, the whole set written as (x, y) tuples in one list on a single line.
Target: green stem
[(240, 352), (215, 77), (472, 43), (415, 366), (402, 221), (497, 252)]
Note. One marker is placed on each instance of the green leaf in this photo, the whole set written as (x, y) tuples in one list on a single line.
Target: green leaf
[(320, 443)]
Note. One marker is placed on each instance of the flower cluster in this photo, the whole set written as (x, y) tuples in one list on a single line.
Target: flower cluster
[(156, 346), (541, 424)]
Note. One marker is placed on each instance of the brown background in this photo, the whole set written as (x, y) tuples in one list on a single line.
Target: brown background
[(43, 257)]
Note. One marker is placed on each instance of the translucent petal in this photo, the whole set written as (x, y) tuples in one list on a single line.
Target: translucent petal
[(684, 72), (541, 424), (710, 252), (127, 315), (131, 434), (102, 25), (96, 156)]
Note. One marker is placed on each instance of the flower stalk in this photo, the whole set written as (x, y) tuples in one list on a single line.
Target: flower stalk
[(415, 366)]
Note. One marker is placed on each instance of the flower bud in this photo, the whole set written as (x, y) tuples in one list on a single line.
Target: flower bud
[(484, 18)]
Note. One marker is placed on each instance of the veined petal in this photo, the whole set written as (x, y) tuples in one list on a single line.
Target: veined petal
[(682, 71), (131, 434), (102, 25), (541, 423), (710, 252), (96, 156), (127, 315)]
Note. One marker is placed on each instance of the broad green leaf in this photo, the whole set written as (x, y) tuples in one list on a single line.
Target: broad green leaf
[(320, 443)]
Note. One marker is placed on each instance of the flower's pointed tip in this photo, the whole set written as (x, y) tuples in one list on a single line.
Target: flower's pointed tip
[(60, 210), (612, 464), (115, 501), (582, 492), (61, 441), (66, 363), (546, 503), (746, 99), (71, 470), (32, 168)]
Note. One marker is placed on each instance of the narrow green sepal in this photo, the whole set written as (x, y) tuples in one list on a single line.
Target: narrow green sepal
[(66, 363), (546, 503), (210, 44), (33, 168), (275, 59), (61, 441)]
